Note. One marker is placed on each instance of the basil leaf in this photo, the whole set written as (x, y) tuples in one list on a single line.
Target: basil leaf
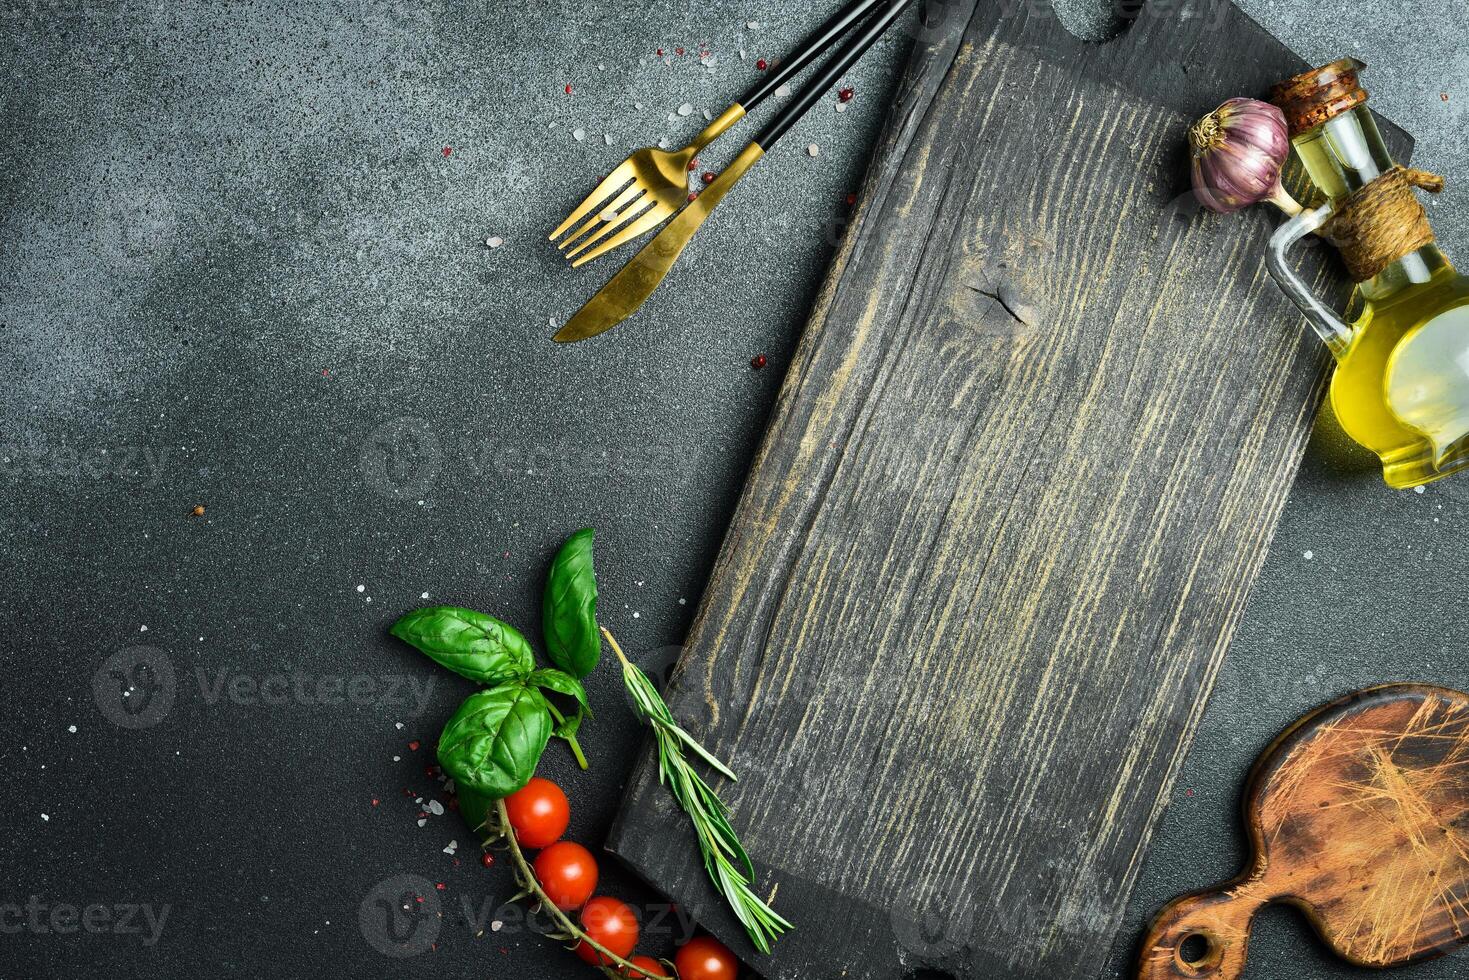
[(495, 740), (469, 643), (474, 808), (561, 683), (569, 609)]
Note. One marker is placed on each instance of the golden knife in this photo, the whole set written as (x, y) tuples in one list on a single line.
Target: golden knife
[(631, 287), (627, 290)]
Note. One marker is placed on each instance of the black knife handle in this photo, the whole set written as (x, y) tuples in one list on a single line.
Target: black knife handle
[(854, 48), (813, 46)]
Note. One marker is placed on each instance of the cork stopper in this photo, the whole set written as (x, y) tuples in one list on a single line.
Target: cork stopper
[(1313, 97)]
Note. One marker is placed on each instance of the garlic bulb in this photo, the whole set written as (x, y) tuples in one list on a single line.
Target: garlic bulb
[(1238, 152)]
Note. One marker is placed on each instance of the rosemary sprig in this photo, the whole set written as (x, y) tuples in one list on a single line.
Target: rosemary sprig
[(724, 856)]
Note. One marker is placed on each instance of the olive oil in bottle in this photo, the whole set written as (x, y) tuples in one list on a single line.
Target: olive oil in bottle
[(1401, 386)]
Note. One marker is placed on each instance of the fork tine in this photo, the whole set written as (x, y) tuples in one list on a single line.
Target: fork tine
[(627, 214), (649, 220), (618, 207), (604, 190)]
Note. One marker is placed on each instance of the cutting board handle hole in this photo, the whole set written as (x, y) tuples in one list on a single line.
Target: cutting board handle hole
[(1195, 950), (1099, 21)]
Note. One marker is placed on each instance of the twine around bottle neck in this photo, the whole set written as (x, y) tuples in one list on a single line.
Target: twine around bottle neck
[(1376, 225)]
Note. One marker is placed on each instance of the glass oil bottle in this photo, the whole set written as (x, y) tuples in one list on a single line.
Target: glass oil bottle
[(1401, 386)]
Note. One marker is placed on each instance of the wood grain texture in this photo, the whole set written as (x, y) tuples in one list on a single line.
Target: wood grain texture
[(1021, 475), (1359, 814)]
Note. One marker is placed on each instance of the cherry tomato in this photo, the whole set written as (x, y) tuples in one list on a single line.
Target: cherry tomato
[(539, 813), (567, 873), (610, 924), (706, 958), (647, 967)]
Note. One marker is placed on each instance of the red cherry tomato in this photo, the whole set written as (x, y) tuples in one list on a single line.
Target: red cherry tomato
[(610, 924), (538, 813), (647, 967), (567, 873), (706, 958)]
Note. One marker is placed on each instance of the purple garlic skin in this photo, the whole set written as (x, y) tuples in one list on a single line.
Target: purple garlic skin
[(1238, 152)]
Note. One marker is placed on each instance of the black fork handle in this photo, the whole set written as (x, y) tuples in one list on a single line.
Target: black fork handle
[(809, 50), (855, 47)]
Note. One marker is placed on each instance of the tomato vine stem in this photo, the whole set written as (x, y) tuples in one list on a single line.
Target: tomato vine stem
[(528, 880)]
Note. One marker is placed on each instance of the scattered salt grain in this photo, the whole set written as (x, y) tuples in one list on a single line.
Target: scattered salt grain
[(708, 115), (784, 90), (1309, 555), (72, 729), (495, 242), (579, 135), (1419, 489), (142, 629), (742, 54), (608, 214), (422, 821), (685, 109), (813, 150), (436, 808), (841, 107), (398, 725), (361, 588), (46, 817), (496, 926), (663, 144), (607, 138), (637, 105), (421, 596), (753, 25), (453, 846), (397, 758)]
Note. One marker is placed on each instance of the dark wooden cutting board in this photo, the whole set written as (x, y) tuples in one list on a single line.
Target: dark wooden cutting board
[(1023, 471)]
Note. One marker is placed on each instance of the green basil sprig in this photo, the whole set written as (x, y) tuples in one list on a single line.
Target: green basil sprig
[(569, 609), (495, 740), (469, 643)]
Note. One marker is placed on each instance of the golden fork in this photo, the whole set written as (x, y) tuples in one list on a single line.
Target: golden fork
[(652, 184), (635, 282)]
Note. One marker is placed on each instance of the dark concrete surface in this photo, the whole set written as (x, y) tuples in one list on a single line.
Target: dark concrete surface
[(243, 265)]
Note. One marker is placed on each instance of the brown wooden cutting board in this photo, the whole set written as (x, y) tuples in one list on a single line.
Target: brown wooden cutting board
[(1358, 815), (1023, 471)]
